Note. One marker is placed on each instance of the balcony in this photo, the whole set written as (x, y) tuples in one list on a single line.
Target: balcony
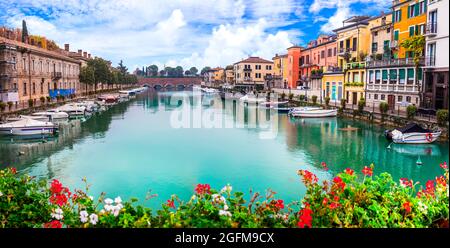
[(393, 62), (56, 75), (431, 29), (342, 51), (248, 79), (333, 69), (355, 65), (393, 44), (430, 60), (247, 69)]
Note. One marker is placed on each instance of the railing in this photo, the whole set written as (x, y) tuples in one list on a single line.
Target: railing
[(393, 62), (334, 69), (56, 75), (342, 50), (393, 44), (248, 79), (430, 61), (247, 69), (431, 28), (355, 65)]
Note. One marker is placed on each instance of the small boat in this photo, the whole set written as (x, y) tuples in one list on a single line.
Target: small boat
[(412, 133), (281, 107), (21, 117), (252, 99), (52, 114), (312, 112), (209, 90), (28, 127), (73, 109)]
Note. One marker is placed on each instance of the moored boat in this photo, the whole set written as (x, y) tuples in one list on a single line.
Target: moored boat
[(53, 114), (21, 117), (28, 127), (312, 112), (73, 109), (412, 133), (250, 98)]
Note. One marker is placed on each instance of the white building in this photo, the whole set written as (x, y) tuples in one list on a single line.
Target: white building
[(437, 55)]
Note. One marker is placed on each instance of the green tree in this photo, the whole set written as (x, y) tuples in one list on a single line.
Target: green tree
[(204, 70), (87, 76), (152, 70), (179, 71), (24, 32), (193, 71), (416, 44), (101, 71)]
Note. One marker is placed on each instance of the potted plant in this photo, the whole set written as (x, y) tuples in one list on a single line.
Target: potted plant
[(384, 107), (327, 101), (442, 117), (10, 104), (314, 99), (2, 106), (411, 111)]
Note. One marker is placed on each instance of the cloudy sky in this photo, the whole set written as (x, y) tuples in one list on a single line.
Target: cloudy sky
[(183, 32)]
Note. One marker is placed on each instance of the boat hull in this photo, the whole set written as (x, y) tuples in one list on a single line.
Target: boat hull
[(315, 113), (416, 138), (25, 131)]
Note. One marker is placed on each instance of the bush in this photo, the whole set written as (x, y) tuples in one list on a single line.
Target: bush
[(42, 99), (283, 96), (343, 103), (327, 101), (30, 102), (384, 107), (301, 98), (49, 99), (411, 111), (361, 105), (442, 117), (314, 99), (291, 96), (346, 201), (10, 104), (2, 106)]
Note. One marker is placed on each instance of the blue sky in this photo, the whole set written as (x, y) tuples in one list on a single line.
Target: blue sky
[(183, 32)]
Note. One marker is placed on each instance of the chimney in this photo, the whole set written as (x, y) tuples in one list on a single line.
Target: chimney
[(89, 55), (66, 47), (85, 54), (79, 52)]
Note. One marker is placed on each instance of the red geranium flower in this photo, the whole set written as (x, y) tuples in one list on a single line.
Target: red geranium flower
[(325, 201), (308, 177), (407, 206), (443, 165), (170, 203), (324, 166), (441, 181), (406, 183), (305, 218), (53, 224), (339, 183), (13, 170), (279, 204), (59, 194), (349, 171), (367, 171), (202, 189)]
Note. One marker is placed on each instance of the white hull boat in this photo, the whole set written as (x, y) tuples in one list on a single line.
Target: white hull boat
[(412, 134), (52, 115), (73, 109), (252, 99), (21, 117), (28, 127), (313, 112), (209, 91)]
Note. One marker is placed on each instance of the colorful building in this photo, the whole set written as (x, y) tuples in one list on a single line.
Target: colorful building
[(435, 88), (250, 73), (280, 72), (353, 41), (229, 75), (293, 66)]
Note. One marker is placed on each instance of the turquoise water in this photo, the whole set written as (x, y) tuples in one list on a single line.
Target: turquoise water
[(136, 146)]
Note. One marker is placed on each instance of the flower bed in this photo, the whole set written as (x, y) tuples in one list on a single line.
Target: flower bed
[(348, 200)]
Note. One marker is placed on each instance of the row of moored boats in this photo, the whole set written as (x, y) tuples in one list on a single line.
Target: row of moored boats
[(46, 122)]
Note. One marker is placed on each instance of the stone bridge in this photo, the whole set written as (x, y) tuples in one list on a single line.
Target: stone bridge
[(170, 83)]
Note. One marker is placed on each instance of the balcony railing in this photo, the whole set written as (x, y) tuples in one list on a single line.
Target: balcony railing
[(430, 61), (331, 69), (248, 79), (56, 75), (431, 29), (343, 51), (393, 62), (393, 44), (355, 65), (247, 69)]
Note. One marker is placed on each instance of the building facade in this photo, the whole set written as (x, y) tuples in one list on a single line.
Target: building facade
[(251, 72), (30, 72), (293, 66), (280, 72), (435, 90), (229, 75)]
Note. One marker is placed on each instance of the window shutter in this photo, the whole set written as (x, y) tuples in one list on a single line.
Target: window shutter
[(393, 17), (385, 74), (417, 30), (396, 35), (401, 73), (409, 11), (425, 6), (411, 31), (400, 15), (393, 74), (410, 73), (416, 9), (419, 74)]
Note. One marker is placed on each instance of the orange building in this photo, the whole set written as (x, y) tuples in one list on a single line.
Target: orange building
[(318, 54), (293, 66)]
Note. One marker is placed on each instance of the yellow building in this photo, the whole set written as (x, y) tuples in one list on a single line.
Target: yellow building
[(280, 71), (409, 18), (332, 86), (219, 74), (251, 73), (354, 42)]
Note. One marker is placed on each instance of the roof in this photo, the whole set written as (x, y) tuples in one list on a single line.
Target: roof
[(255, 60), (294, 46), (365, 23)]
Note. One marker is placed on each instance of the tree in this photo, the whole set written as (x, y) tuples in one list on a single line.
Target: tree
[(187, 73), (87, 76), (123, 69), (179, 71), (152, 70), (24, 32), (193, 71), (162, 73), (101, 71), (204, 70), (416, 44)]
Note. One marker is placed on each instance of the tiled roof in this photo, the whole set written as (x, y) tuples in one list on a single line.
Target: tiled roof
[(255, 60)]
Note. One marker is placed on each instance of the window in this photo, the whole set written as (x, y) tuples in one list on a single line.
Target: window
[(307, 59), (383, 97), (400, 98), (330, 52), (24, 64), (384, 76), (422, 7), (375, 33), (397, 16), (368, 96), (354, 46), (14, 63), (375, 96), (374, 47), (393, 76), (322, 54), (411, 10), (334, 53), (396, 33), (408, 98), (401, 74), (410, 76), (411, 31), (370, 77), (24, 89), (388, 30), (377, 76)]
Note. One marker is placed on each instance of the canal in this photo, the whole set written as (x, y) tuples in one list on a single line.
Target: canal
[(165, 143)]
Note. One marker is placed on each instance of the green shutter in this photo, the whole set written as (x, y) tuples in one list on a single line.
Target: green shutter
[(416, 9), (393, 17), (400, 16), (384, 74), (417, 30), (401, 73), (425, 6), (409, 11), (393, 74), (419, 74), (411, 31), (396, 35), (410, 73)]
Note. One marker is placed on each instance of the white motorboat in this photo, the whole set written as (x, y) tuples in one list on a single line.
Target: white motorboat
[(233, 95), (73, 109), (28, 127), (52, 115), (21, 117), (252, 99), (412, 134), (313, 112), (209, 90)]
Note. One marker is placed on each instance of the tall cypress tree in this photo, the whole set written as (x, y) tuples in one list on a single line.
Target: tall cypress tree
[(24, 31)]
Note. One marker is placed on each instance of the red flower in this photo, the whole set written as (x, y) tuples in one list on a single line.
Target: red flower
[(56, 187), (170, 203), (334, 205), (53, 224), (279, 204), (443, 165), (59, 194), (339, 183), (305, 218), (367, 171), (13, 170), (441, 181), (349, 171), (324, 165), (406, 183), (325, 201), (308, 177), (202, 189), (407, 207)]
